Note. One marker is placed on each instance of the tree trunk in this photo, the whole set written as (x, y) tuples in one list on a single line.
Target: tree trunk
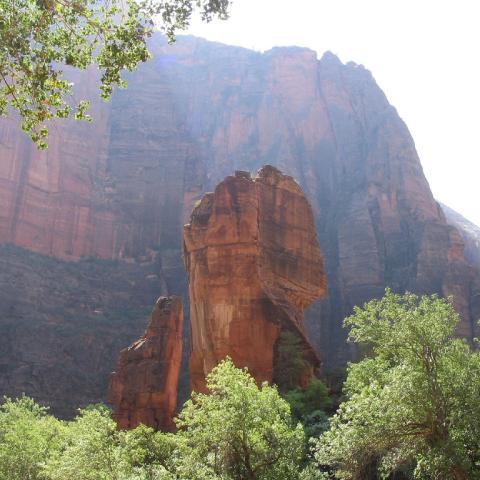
[(460, 473)]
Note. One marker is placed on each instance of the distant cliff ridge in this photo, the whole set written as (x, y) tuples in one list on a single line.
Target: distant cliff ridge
[(123, 187)]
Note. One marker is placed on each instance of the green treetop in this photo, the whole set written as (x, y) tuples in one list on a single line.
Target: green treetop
[(412, 407), (239, 431)]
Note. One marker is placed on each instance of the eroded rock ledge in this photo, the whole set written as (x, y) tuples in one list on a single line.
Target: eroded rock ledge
[(254, 265), (143, 389)]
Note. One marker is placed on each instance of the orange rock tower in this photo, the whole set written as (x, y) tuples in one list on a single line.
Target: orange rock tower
[(143, 389), (254, 266)]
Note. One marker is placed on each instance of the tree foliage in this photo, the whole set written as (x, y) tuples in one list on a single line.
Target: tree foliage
[(413, 405), (40, 39), (290, 361), (411, 411), (90, 449), (28, 437), (309, 406), (239, 431)]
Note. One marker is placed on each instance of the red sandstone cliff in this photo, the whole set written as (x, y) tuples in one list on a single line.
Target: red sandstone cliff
[(143, 389), (51, 201), (124, 186), (254, 265)]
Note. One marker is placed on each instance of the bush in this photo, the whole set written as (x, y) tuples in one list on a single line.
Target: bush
[(309, 407)]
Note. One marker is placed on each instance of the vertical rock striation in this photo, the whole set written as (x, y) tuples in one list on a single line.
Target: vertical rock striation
[(254, 266), (143, 389)]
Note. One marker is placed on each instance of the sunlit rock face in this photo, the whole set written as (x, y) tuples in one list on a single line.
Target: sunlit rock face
[(254, 265), (123, 187), (143, 389)]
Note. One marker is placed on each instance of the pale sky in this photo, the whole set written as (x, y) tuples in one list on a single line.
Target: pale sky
[(424, 54)]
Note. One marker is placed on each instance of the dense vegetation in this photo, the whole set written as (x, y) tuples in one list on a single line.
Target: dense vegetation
[(411, 407), (410, 411), (238, 431)]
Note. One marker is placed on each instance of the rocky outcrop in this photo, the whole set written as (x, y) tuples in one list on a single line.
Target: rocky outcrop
[(123, 187), (143, 389), (254, 266)]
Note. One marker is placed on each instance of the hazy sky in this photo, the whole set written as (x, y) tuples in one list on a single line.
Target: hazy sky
[(424, 54)]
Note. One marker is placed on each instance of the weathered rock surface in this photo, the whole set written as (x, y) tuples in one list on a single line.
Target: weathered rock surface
[(123, 187), (254, 266), (143, 389), (62, 324), (470, 234)]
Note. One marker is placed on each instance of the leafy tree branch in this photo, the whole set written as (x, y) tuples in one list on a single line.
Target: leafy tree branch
[(41, 39)]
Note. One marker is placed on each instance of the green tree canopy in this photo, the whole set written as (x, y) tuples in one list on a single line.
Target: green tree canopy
[(239, 431), (28, 436), (39, 39), (90, 449), (413, 405), (290, 361)]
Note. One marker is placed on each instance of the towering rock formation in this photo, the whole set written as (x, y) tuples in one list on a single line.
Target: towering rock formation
[(254, 265), (143, 389), (123, 187)]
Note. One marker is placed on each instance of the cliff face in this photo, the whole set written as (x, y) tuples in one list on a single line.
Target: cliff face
[(143, 389), (62, 324), (123, 187), (254, 265), (53, 201), (98, 188), (329, 126), (470, 234)]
